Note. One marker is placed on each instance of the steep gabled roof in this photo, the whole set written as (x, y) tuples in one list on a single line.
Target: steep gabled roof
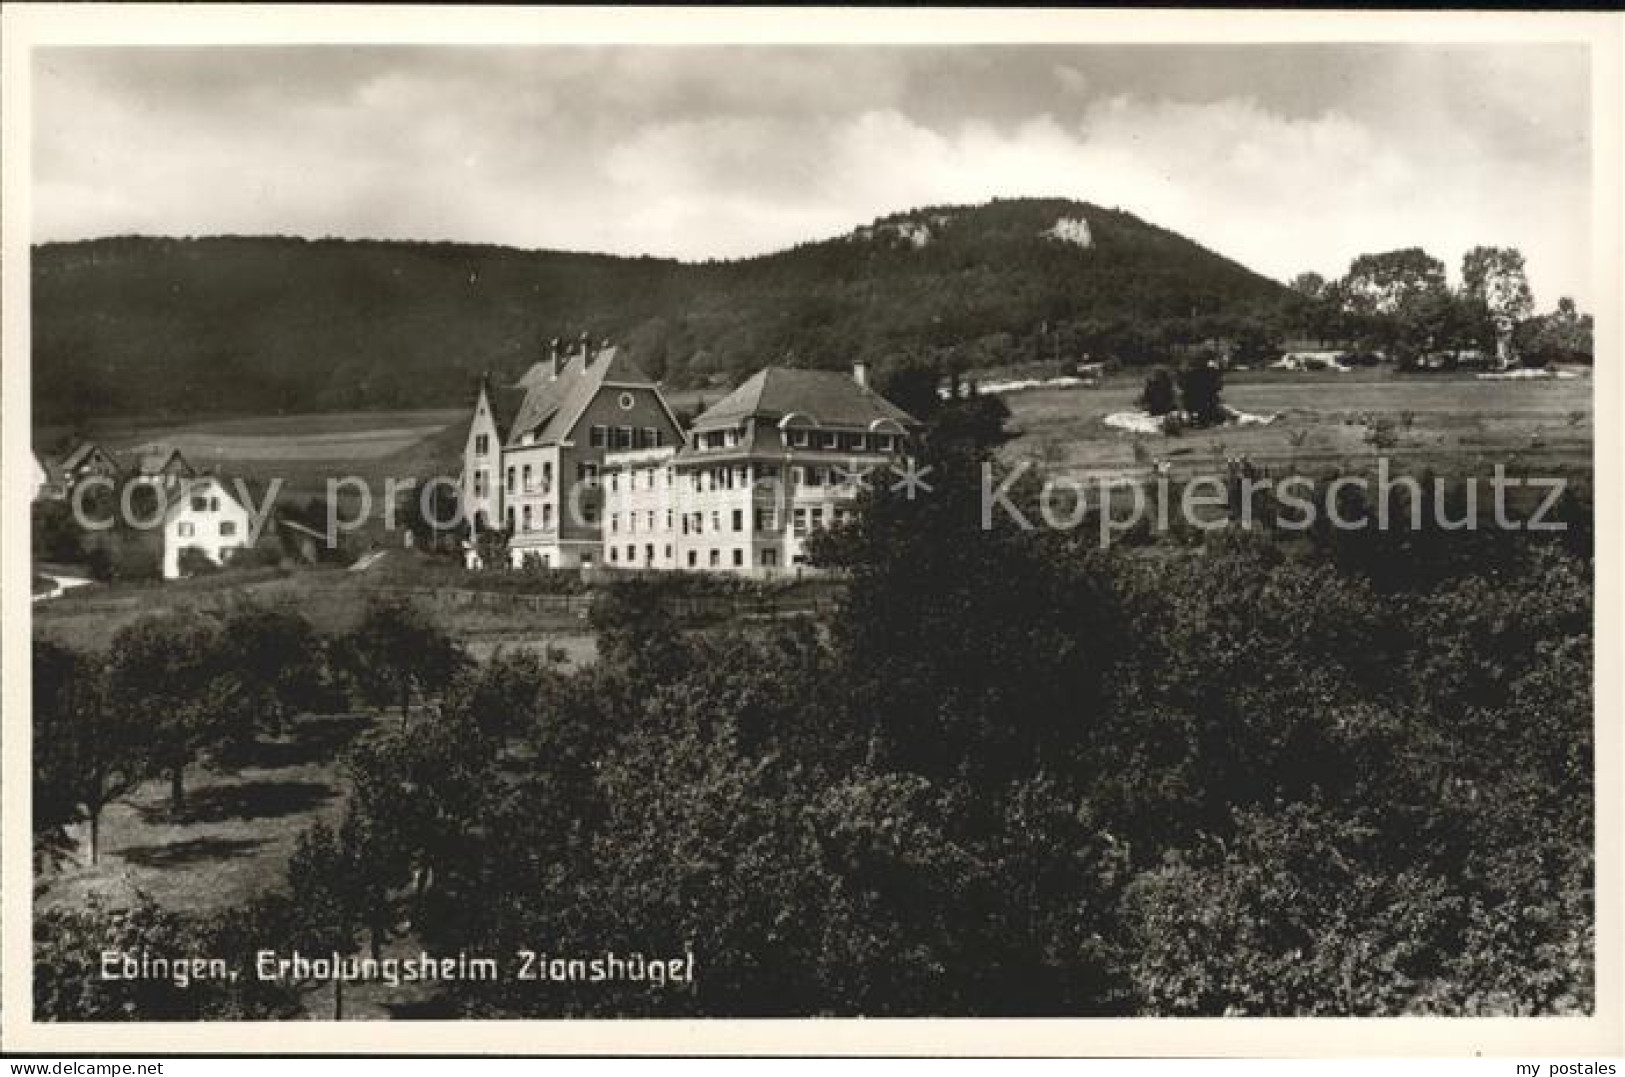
[(552, 409), (822, 397), (81, 453), (505, 404), (152, 459)]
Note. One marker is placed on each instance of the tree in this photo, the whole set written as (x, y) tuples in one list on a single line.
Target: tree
[(87, 753), (1401, 301), (165, 670), (195, 561), (328, 888), (275, 657), (1495, 277), (1563, 336), (1200, 387), (398, 652), (910, 381), (1158, 397), (1310, 285)]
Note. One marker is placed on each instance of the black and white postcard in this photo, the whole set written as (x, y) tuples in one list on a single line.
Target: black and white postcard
[(627, 531)]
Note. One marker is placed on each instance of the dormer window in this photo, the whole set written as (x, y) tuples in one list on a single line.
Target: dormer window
[(799, 439), (832, 440)]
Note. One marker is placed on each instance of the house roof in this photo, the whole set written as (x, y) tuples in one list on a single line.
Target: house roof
[(505, 405), (82, 452), (552, 408), (821, 397), (151, 459)]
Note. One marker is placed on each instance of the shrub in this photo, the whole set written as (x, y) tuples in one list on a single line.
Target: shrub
[(1158, 396)]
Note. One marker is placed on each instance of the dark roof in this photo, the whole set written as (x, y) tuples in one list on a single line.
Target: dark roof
[(152, 459), (822, 397), (505, 405), (85, 448), (552, 408)]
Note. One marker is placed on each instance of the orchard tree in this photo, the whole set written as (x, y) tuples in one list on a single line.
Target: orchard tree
[(399, 652), (275, 656), (165, 671), (87, 753), (332, 896)]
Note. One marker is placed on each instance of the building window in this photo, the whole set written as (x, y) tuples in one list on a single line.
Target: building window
[(547, 516), (649, 555), (510, 479), (860, 443), (739, 519), (632, 522), (716, 558), (832, 440), (547, 473), (586, 560), (200, 504), (693, 558), (527, 477), (185, 529), (716, 521), (651, 519), (600, 437), (614, 481), (614, 554), (739, 559), (767, 520), (654, 437), (479, 487), (614, 521), (769, 558), (623, 437), (798, 438), (526, 517), (482, 444), (799, 523), (631, 553), (510, 518), (668, 552), (668, 519)]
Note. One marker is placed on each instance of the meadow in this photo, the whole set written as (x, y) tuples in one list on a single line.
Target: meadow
[(1453, 424)]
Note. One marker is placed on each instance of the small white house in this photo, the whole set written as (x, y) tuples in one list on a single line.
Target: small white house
[(206, 515)]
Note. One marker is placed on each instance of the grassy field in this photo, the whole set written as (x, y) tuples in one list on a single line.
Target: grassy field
[(234, 836), (1450, 423)]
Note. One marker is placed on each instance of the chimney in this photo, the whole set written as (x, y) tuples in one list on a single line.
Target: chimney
[(553, 359), (586, 351), (860, 372)]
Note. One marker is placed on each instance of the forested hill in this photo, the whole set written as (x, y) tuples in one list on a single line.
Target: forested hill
[(154, 326)]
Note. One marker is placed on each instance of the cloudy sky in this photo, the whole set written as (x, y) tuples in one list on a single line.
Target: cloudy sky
[(1284, 157)]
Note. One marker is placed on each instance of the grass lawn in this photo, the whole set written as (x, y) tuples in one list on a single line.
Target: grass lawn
[(1451, 423), (233, 838)]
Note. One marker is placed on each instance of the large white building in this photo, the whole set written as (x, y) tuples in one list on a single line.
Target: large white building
[(783, 455), (535, 451)]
